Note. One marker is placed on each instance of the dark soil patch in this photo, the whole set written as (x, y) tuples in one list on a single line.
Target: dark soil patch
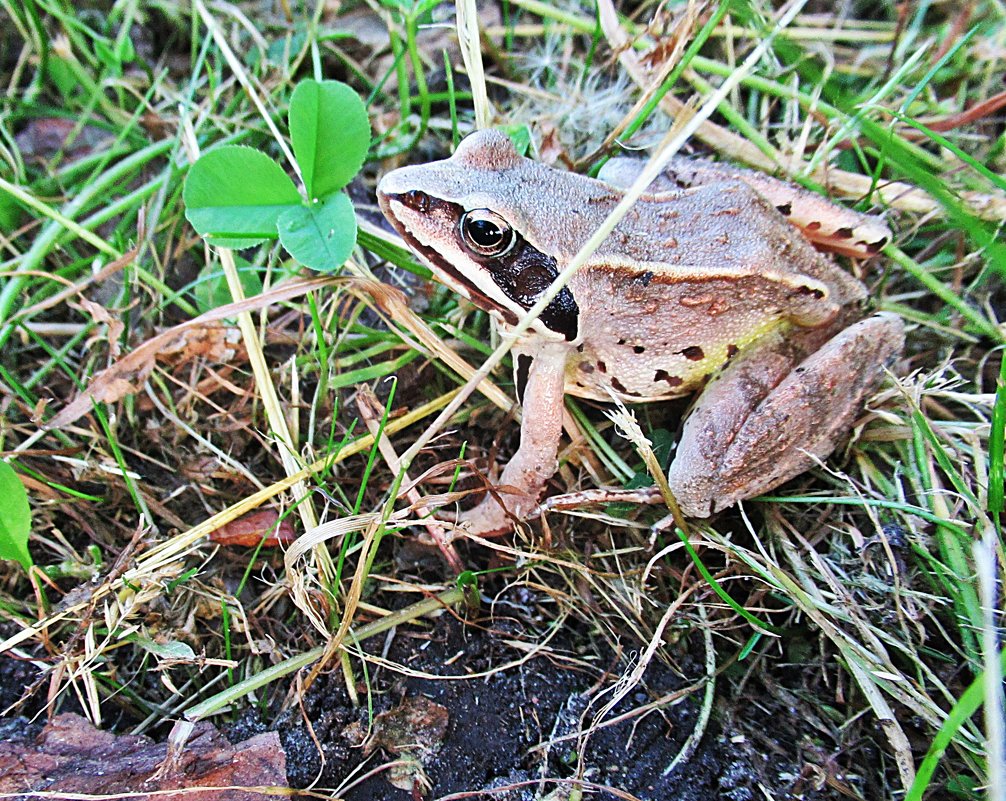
[(514, 734), (517, 733)]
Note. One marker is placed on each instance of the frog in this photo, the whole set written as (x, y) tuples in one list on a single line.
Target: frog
[(711, 285)]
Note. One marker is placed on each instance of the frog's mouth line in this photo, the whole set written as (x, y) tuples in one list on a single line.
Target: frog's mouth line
[(456, 279)]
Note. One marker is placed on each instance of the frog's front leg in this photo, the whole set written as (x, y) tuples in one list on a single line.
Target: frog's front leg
[(541, 372), (775, 409)]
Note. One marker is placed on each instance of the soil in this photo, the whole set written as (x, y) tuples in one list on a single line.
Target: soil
[(481, 716), (512, 736)]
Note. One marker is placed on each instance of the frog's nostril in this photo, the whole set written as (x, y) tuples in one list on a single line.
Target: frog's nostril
[(416, 200)]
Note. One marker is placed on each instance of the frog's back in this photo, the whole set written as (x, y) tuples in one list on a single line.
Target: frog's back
[(726, 226), (718, 271), (695, 232)]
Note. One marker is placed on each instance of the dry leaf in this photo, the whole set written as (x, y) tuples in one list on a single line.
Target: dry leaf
[(71, 756), (102, 316), (414, 730), (198, 336), (254, 528), (44, 137)]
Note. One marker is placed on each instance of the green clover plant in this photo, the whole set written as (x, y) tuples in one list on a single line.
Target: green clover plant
[(237, 196)]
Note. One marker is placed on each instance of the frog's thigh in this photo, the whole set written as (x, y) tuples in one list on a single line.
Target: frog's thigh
[(769, 415)]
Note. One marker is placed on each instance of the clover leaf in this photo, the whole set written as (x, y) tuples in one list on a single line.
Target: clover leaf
[(237, 196)]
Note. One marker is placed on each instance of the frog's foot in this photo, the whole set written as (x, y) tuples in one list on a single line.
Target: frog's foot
[(514, 499), (769, 416), (501, 511)]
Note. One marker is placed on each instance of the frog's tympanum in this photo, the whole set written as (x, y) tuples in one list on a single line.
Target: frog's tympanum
[(710, 283)]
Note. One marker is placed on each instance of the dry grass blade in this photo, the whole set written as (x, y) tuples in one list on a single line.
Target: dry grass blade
[(274, 411)]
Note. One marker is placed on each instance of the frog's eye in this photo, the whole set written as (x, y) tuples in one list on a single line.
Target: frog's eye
[(485, 233)]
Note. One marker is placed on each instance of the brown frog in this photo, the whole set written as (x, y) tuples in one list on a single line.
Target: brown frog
[(706, 285)]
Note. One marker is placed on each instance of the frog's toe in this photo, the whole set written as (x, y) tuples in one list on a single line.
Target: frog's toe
[(490, 518), (794, 417)]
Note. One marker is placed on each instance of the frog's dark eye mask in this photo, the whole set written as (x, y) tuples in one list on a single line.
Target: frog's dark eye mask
[(521, 271)]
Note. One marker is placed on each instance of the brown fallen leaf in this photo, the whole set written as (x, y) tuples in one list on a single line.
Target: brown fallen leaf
[(44, 137), (214, 343), (255, 527), (72, 756), (414, 730), (200, 336), (550, 150), (102, 316)]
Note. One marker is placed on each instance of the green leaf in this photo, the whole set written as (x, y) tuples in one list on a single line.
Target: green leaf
[(234, 196), (330, 132), (10, 212), (15, 517), (62, 76), (520, 135), (107, 56), (172, 650), (125, 51), (282, 48), (467, 579), (211, 290), (320, 236)]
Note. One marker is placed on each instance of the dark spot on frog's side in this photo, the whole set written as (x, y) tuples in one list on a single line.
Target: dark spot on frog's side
[(693, 353), (618, 385), (844, 233), (602, 367), (672, 380), (645, 278), (785, 209), (732, 350), (606, 197), (638, 349)]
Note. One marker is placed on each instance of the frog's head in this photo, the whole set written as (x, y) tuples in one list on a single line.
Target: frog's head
[(479, 220)]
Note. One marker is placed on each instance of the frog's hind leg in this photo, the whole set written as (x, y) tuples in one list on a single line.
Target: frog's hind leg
[(774, 410)]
